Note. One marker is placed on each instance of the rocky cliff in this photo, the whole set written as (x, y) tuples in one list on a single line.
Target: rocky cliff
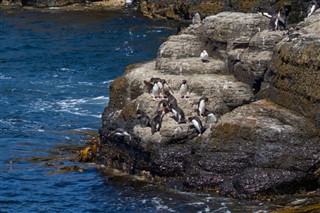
[(263, 88)]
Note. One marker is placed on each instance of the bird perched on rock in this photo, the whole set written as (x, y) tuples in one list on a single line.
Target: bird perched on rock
[(196, 19), (179, 116), (162, 105), (143, 118), (279, 20), (204, 56), (156, 122), (202, 105), (313, 6), (184, 89), (172, 101), (120, 132), (156, 90), (197, 124), (165, 87), (210, 118)]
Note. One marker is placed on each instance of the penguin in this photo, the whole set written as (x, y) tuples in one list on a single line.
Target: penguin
[(162, 105), (184, 89), (143, 118), (197, 124), (179, 116), (155, 93), (210, 118), (165, 87), (293, 37), (160, 85), (149, 85), (196, 19), (120, 132), (155, 80), (172, 101), (278, 19), (156, 122), (202, 106), (204, 56), (313, 6)]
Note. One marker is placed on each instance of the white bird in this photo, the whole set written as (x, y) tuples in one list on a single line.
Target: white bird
[(204, 56)]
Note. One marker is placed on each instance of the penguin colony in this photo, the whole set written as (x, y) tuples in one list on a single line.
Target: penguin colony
[(160, 90)]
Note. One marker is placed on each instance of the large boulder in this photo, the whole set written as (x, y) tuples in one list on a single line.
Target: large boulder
[(249, 64), (256, 149)]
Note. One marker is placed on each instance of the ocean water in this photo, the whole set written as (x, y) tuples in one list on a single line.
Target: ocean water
[(55, 71)]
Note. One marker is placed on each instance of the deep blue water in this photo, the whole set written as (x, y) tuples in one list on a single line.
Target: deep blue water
[(55, 70)]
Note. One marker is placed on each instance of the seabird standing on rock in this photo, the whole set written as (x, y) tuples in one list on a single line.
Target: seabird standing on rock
[(184, 89), (196, 20), (179, 116), (155, 93), (313, 6), (197, 124), (156, 122), (120, 132), (172, 101), (162, 105), (165, 87), (143, 118), (202, 106), (210, 118), (149, 85), (204, 56)]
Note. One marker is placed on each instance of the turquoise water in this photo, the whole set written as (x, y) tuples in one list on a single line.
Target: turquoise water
[(55, 71)]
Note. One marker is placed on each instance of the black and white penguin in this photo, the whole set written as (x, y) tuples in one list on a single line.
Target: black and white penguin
[(197, 124), (204, 56), (165, 87), (143, 118), (196, 19), (179, 116), (156, 122), (202, 106), (156, 90), (184, 89), (279, 20), (313, 6), (149, 85), (120, 132), (162, 105), (172, 101)]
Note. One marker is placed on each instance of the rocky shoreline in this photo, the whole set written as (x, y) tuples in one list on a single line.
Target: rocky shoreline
[(264, 90)]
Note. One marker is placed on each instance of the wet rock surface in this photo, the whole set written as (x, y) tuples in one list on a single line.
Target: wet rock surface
[(259, 145)]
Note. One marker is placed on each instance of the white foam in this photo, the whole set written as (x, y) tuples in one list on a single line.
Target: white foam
[(3, 77), (107, 82)]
